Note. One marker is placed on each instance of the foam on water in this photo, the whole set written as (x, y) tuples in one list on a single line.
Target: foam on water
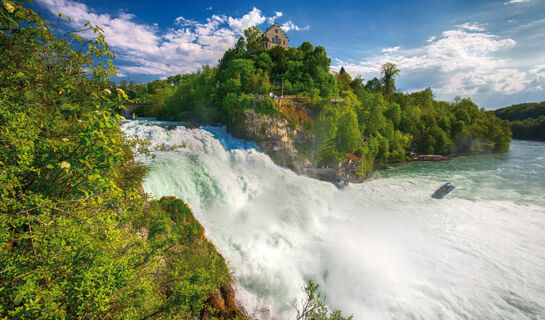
[(380, 250)]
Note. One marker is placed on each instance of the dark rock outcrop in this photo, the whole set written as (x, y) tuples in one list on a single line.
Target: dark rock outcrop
[(273, 134)]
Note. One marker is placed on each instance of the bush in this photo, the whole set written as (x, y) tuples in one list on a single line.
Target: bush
[(266, 106)]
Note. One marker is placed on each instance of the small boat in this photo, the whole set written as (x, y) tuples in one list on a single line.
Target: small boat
[(429, 157), (443, 191)]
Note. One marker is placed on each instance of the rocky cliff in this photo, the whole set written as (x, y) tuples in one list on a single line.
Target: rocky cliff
[(273, 134)]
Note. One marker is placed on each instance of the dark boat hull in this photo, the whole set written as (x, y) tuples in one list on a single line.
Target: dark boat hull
[(443, 191)]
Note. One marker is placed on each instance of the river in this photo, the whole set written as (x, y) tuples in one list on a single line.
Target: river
[(379, 250)]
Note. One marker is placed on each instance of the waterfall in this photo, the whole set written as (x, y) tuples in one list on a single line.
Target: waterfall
[(379, 250)]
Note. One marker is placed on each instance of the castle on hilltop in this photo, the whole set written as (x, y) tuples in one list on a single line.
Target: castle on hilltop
[(274, 36)]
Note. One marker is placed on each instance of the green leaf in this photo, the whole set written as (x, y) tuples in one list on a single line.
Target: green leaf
[(56, 244), (67, 107), (94, 177), (18, 299)]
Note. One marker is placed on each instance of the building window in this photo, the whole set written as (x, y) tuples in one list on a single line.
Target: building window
[(275, 30)]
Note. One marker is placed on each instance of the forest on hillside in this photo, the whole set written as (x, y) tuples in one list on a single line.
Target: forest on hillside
[(527, 120), (343, 114)]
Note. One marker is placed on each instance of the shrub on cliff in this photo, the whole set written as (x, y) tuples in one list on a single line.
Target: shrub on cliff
[(192, 271), (266, 106)]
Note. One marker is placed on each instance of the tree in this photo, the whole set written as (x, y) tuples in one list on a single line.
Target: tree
[(374, 84), (241, 45), (389, 72), (349, 132), (314, 308), (253, 38), (278, 55), (344, 79)]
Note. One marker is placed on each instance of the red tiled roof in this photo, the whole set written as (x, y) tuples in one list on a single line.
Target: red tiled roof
[(352, 157)]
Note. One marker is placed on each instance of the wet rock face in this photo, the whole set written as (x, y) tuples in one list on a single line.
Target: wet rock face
[(273, 134)]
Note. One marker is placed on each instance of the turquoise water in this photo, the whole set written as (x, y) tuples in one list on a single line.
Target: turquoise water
[(517, 176), (383, 249)]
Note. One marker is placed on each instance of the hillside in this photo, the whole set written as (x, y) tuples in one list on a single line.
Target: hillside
[(527, 120), (521, 111)]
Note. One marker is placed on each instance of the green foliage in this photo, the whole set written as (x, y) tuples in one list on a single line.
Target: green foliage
[(329, 153), (266, 106), (389, 72), (527, 120), (73, 216), (253, 38), (404, 123), (314, 308), (349, 133), (529, 129), (192, 269), (522, 111)]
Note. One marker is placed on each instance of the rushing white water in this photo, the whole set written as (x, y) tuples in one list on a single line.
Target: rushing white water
[(379, 250)]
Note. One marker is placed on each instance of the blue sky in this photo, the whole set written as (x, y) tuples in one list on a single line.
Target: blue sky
[(491, 51)]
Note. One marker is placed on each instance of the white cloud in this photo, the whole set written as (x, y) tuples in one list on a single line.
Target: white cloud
[(462, 61), (390, 50), (538, 72), (252, 18), (472, 26), (516, 1), (185, 22), (145, 49), (431, 39), (289, 25), (277, 14)]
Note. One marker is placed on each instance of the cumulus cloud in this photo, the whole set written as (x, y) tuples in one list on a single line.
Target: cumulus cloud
[(390, 50), (145, 49), (464, 61), (252, 18), (289, 25), (516, 1)]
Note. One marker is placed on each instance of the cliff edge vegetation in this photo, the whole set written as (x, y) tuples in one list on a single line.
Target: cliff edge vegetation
[(78, 237)]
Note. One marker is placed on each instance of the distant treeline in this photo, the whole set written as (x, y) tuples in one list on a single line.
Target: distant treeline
[(527, 120)]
